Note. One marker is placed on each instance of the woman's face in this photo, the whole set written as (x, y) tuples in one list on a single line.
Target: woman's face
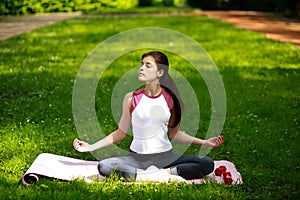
[(148, 71)]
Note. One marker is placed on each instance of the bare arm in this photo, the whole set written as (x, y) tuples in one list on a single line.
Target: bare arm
[(179, 136), (112, 138)]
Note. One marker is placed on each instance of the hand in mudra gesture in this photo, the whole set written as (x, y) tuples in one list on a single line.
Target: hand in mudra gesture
[(81, 146), (214, 141)]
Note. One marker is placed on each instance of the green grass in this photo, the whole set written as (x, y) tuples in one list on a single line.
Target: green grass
[(150, 9), (261, 79)]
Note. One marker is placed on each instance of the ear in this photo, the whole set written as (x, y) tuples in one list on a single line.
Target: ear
[(161, 73)]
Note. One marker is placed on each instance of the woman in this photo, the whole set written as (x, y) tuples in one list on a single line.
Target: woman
[(155, 113)]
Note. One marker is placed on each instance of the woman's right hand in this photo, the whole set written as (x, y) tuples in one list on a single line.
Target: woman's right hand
[(81, 146)]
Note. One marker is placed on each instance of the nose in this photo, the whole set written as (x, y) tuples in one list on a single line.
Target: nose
[(142, 67)]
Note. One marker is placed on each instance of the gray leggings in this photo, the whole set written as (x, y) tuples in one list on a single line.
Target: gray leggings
[(186, 166)]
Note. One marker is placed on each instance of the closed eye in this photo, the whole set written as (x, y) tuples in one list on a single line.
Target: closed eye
[(149, 64)]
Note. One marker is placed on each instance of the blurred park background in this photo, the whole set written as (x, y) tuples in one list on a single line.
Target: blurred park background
[(289, 8)]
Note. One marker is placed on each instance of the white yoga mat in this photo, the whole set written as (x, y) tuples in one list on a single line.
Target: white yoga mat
[(66, 168), (59, 167)]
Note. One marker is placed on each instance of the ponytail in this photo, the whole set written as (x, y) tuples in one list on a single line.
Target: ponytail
[(169, 85), (167, 82)]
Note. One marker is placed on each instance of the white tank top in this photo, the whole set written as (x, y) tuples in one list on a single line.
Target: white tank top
[(150, 117)]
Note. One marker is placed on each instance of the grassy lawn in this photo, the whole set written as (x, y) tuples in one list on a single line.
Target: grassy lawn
[(261, 78), (150, 9)]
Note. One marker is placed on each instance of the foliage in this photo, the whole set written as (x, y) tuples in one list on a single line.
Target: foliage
[(292, 7), (262, 5), (204, 4), (17, 7), (143, 3), (261, 78)]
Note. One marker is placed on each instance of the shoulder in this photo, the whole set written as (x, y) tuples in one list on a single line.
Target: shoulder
[(135, 98), (128, 97), (136, 95), (138, 92)]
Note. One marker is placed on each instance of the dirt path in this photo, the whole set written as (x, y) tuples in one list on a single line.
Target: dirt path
[(274, 27), (14, 25), (277, 28)]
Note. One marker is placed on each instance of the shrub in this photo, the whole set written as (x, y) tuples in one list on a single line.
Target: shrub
[(289, 7), (263, 5), (16, 7), (168, 2), (204, 4), (11, 6), (143, 3)]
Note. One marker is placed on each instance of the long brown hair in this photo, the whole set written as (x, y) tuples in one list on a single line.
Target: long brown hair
[(167, 82)]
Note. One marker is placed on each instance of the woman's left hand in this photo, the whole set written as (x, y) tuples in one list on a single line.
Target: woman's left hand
[(214, 142)]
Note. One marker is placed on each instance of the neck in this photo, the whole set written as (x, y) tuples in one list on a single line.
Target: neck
[(152, 89)]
